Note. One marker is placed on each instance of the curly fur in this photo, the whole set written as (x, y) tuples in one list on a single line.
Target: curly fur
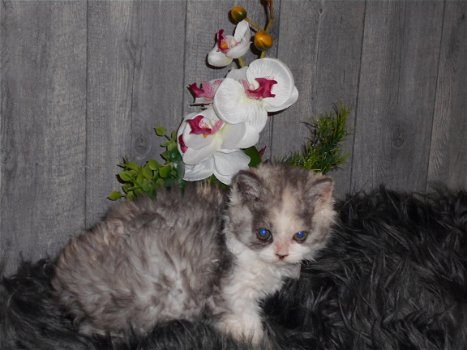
[(393, 277)]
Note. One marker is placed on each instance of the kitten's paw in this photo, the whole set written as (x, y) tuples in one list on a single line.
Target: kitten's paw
[(243, 329)]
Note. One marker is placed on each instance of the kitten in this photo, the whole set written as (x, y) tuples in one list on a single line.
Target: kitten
[(183, 256)]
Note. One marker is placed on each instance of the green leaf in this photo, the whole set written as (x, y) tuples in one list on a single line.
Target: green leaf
[(115, 195), (127, 187), (172, 146), (255, 157), (166, 156), (153, 164), (160, 131), (140, 179), (147, 172), (145, 186), (132, 166), (126, 176), (164, 171)]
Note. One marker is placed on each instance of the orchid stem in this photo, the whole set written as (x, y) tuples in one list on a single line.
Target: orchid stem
[(241, 62), (253, 25), (271, 16)]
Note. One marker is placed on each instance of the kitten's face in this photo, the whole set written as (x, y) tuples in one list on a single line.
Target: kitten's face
[(283, 214)]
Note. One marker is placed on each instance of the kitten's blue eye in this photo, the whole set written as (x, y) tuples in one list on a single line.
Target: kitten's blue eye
[(300, 236), (263, 234)]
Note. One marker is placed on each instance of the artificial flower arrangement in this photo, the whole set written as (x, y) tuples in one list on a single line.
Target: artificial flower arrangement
[(220, 140)]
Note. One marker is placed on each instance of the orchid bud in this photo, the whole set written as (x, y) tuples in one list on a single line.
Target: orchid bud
[(263, 41), (238, 13)]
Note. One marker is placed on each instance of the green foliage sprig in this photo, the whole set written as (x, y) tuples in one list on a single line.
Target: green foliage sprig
[(152, 175), (323, 150)]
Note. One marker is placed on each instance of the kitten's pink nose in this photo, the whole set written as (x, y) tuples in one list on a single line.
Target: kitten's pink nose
[(282, 256)]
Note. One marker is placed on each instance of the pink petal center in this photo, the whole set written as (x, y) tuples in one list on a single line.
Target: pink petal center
[(200, 127), (263, 91), (183, 147), (206, 89), (222, 42)]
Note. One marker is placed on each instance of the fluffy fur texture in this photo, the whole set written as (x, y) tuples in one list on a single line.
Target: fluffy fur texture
[(393, 277), (174, 258), (146, 262)]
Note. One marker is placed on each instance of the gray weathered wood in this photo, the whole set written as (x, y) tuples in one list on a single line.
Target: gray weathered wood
[(83, 83), (448, 157), (111, 61), (135, 82), (43, 91), (321, 43), (396, 94)]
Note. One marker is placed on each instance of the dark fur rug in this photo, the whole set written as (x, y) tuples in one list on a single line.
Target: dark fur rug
[(393, 277)]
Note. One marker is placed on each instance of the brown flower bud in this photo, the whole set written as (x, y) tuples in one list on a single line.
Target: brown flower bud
[(263, 41), (238, 13)]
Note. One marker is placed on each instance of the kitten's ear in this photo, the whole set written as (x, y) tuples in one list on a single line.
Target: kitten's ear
[(320, 189), (247, 185)]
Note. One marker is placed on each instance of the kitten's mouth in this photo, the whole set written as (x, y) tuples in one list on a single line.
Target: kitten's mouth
[(282, 261)]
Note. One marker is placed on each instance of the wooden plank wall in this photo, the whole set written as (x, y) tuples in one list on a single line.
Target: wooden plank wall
[(82, 84)]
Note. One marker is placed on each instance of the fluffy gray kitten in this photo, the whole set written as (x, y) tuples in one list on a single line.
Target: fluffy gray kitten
[(186, 255)]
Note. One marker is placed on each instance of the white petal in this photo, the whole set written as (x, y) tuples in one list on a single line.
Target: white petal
[(237, 74), (217, 58), (272, 68), (226, 101), (210, 114), (225, 179), (242, 37), (293, 98), (250, 138), (239, 50), (232, 134), (195, 156), (230, 163), (240, 135), (242, 30), (258, 122), (233, 106), (226, 165), (199, 171)]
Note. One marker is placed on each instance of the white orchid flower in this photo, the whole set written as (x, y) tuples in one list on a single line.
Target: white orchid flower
[(210, 146), (223, 165), (248, 94), (228, 47)]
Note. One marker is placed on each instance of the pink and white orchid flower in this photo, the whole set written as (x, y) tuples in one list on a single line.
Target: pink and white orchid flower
[(204, 94), (247, 95), (210, 146), (228, 47)]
